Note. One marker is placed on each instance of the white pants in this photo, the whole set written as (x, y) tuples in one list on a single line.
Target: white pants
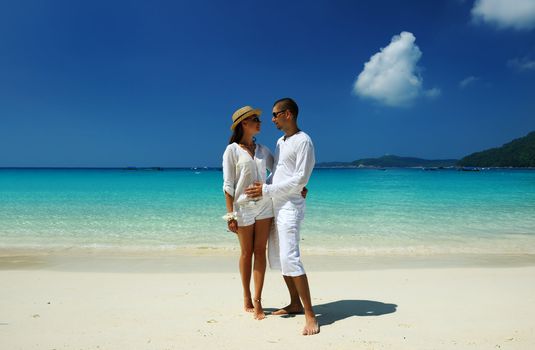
[(285, 242)]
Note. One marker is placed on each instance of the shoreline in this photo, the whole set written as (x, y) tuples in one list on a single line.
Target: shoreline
[(224, 261)]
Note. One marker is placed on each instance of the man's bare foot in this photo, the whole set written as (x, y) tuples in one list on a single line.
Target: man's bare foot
[(248, 304), (292, 309), (311, 325), (258, 310)]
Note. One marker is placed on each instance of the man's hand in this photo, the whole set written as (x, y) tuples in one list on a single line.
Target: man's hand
[(304, 192), (254, 191)]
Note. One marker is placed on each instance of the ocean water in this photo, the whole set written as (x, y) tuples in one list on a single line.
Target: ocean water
[(349, 211)]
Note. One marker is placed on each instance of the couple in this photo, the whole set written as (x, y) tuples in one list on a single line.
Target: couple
[(255, 202)]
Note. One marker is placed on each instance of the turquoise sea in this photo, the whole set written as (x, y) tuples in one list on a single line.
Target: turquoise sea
[(349, 211)]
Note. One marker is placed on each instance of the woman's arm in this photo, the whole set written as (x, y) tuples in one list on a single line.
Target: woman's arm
[(229, 171), (229, 176), (232, 224), (229, 201)]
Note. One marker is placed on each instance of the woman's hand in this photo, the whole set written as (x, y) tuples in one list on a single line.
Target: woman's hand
[(233, 226), (304, 192)]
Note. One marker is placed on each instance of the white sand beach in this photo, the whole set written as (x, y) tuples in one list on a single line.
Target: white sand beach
[(194, 302)]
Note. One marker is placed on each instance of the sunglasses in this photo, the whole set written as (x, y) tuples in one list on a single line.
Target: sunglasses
[(254, 119), (276, 114)]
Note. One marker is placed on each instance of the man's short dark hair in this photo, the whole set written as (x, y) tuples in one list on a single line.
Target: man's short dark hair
[(289, 104)]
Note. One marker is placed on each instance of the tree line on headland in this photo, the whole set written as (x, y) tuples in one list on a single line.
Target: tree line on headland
[(519, 153)]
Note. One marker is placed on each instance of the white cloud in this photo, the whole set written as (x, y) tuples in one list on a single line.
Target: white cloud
[(391, 75), (522, 64), (517, 14), (467, 81)]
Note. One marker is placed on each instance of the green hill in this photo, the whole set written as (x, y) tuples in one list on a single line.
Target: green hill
[(517, 153)]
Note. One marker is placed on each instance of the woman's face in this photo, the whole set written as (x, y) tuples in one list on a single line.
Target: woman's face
[(252, 125)]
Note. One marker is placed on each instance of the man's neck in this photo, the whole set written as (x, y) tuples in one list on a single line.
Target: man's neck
[(291, 131)]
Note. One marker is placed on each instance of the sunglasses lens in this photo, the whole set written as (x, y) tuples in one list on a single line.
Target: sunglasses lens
[(276, 114)]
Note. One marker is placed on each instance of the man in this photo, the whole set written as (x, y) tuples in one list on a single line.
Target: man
[(294, 161)]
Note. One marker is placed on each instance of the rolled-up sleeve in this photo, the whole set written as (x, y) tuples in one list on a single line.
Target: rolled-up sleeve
[(305, 162), (229, 171)]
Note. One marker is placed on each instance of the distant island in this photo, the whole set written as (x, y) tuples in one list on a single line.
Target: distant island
[(519, 153), (391, 161)]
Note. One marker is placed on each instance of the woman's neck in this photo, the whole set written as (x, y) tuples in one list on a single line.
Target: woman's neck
[(247, 140)]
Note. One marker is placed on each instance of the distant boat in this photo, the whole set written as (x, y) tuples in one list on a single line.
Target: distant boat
[(470, 168)]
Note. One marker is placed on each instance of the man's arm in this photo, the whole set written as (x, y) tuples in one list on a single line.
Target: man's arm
[(305, 161)]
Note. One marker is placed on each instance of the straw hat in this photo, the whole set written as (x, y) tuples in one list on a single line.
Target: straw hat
[(242, 114)]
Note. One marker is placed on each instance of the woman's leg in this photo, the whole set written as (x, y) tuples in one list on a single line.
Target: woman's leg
[(245, 236), (261, 234)]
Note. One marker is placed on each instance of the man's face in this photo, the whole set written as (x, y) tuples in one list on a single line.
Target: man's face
[(280, 116)]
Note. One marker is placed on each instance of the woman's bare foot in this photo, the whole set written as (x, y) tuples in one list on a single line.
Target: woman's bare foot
[(311, 325), (292, 309), (248, 304), (258, 310)]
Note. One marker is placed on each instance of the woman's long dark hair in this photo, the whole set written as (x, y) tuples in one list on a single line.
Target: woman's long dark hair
[(237, 134)]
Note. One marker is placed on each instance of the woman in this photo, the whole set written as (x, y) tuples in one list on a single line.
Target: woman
[(245, 162)]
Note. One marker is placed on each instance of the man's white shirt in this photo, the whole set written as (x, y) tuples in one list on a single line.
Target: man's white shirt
[(293, 165)]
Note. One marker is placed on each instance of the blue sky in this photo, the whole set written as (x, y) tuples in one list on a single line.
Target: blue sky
[(154, 83)]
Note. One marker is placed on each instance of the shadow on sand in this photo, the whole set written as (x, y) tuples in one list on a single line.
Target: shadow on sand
[(338, 310)]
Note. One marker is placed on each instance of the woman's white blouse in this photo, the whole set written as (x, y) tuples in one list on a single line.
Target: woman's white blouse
[(240, 170)]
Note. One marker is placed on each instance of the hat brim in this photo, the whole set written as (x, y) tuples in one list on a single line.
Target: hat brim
[(244, 116)]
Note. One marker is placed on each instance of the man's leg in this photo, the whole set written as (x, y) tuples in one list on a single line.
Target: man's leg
[(311, 324), (288, 239), (288, 224), (295, 306)]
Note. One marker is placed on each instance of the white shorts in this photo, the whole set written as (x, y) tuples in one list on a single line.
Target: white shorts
[(252, 211), (288, 222)]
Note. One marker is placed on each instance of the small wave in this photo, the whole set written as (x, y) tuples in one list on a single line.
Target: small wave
[(206, 249)]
